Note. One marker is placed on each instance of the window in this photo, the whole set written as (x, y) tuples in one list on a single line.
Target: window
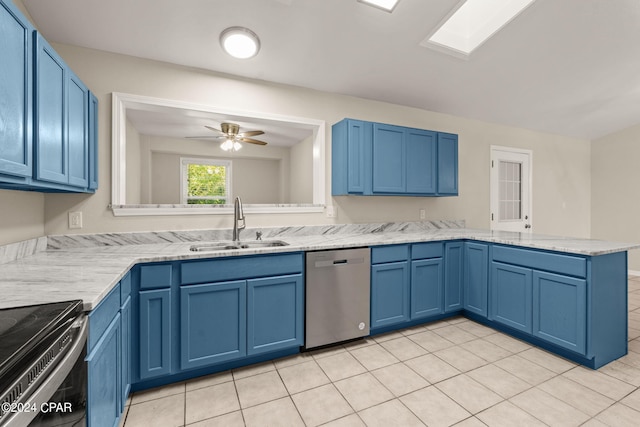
[(205, 181)]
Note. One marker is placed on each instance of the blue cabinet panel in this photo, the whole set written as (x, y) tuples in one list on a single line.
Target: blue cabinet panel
[(476, 278), (212, 323), (511, 296), (389, 159), (447, 164), (77, 130), (421, 161), (541, 260), (125, 354), (15, 94), (101, 316), (93, 142), (560, 310), (155, 276), (274, 313), (426, 250), (155, 333), (389, 253), (453, 276), (389, 294), (426, 288)]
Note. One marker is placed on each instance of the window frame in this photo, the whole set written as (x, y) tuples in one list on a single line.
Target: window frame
[(184, 177)]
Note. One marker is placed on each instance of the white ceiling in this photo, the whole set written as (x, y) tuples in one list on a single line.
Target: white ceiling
[(569, 67)]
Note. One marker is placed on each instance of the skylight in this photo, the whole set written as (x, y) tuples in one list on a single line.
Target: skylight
[(387, 5), (475, 22)]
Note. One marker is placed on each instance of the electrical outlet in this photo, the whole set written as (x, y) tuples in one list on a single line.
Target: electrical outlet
[(75, 219), (423, 214), (331, 211)]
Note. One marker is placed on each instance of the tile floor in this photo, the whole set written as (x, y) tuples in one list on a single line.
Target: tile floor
[(453, 372)]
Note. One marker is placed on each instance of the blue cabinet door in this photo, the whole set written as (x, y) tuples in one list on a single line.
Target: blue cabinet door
[(51, 150), (155, 333), (103, 381), (15, 93), (125, 354), (447, 164), (560, 310), (421, 161), (93, 142), (275, 313), (426, 288), (476, 278), (389, 294), (453, 276), (350, 157), (389, 159), (77, 124), (511, 296), (212, 323), (356, 146)]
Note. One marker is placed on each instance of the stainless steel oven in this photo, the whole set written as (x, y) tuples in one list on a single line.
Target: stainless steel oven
[(43, 373)]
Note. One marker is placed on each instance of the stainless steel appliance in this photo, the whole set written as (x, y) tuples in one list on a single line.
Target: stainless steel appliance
[(337, 296), (43, 375)]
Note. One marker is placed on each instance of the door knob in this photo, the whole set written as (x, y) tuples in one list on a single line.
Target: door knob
[(527, 226)]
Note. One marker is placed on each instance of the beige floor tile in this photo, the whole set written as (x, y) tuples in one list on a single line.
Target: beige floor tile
[(593, 422), (471, 422), (321, 405), (403, 348), (461, 359), (157, 393), (328, 351), (633, 400), (455, 334), (486, 350), (209, 380), (602, 383), (576, 395), (232, 419), (437, 324), (363, 342), (391, 413), (209, 402), (293, 360), (634, 345), (506, 414), (166, 411), (477, 329), (363, 391), (260, 388), (340, 366), (622, 371), (528, 371), (374, 357), (277, 413), (303, 376), (413, 330), (620, 415), (545, 359), (509, 343), (388, 336), (430, 341), (400, 379), (247, 371), (631, 359), (352, 420), (431, 368), (499, 381), (434, 408), (471, 395), (549, 409)]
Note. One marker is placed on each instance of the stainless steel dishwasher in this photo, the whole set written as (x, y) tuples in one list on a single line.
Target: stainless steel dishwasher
[(337, 296)]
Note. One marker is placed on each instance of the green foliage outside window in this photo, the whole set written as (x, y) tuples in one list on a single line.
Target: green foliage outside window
[(206, 184)]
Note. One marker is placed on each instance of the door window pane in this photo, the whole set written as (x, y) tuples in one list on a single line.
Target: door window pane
[(510, 188)]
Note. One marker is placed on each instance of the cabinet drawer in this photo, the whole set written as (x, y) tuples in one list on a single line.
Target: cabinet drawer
[(125, 288), (557, 263), (391, 253), (155, 276), (246, 267), (101, 316), (426, 250)]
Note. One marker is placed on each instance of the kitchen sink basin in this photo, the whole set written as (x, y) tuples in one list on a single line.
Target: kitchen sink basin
[(231, 245)]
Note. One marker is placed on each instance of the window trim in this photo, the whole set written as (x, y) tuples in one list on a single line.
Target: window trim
[(184, 161)]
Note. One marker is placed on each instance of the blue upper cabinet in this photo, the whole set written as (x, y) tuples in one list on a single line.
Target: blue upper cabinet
[(45, 117), (381, 159), (93, 142), (15, 95)]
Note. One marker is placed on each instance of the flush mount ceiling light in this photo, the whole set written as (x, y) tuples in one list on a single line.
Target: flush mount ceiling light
[(240, 42), (387, 5), (473, 23)]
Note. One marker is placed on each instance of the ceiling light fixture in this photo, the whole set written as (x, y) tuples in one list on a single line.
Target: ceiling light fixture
[(387, 5), (473, 23), (240, 42), (230, 145)]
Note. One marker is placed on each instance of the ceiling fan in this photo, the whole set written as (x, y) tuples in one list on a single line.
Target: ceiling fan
[(232, 138)]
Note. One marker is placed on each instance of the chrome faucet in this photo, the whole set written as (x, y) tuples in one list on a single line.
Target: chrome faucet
[(238, 215)]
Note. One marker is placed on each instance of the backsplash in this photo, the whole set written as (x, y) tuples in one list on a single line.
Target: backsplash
[(14, 251)]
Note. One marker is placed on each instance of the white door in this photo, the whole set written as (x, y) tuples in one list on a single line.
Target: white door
[(511, 189)]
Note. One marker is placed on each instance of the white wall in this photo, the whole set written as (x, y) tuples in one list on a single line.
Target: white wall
[(300, 177), (561, 165)]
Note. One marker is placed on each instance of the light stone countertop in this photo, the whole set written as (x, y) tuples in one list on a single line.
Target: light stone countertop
[(90, 272)]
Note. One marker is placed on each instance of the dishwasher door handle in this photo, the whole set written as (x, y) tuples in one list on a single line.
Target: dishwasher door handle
[(338, 262)]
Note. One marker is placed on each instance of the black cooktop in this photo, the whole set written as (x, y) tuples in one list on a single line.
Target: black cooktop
[(23, 330)]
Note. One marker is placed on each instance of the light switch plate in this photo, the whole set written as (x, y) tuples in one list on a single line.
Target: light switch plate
[(75, 219)]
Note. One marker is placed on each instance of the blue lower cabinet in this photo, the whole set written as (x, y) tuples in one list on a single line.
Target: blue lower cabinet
[(212, 323), (125, 322), (155, 333), (559, 310), (453, 276), (511, 296), (476, 278), (426, 288), (275, 313), (104, 376), (389, 294)]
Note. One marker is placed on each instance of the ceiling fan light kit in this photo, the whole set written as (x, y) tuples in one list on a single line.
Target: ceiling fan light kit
[(232, 138), (240, 42)]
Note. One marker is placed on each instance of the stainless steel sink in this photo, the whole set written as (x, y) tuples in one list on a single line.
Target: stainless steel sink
[(231, 245)]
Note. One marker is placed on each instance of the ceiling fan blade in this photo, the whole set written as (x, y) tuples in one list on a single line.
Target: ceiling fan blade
[(207, 137), (214, 129), (252, 141), (251, 133)]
